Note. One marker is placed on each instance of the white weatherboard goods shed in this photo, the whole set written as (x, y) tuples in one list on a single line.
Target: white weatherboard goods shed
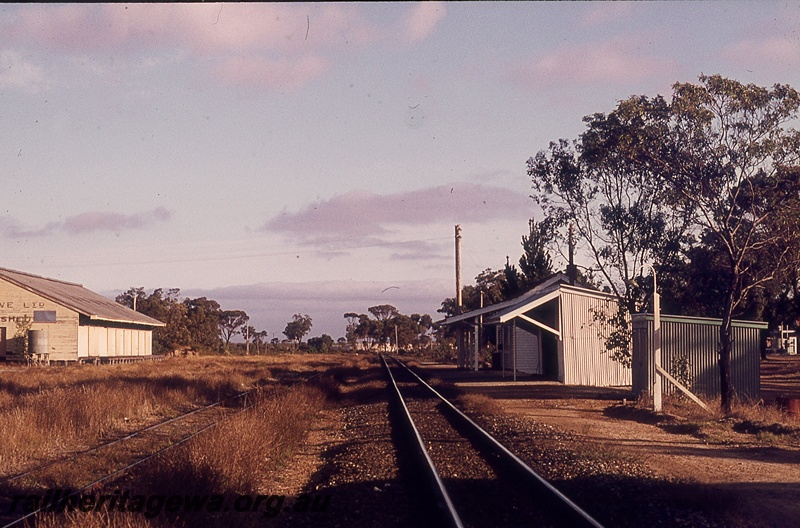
[(554, 330), (67, 321)]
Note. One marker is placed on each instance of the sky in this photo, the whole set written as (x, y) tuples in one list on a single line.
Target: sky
[(315, 158)]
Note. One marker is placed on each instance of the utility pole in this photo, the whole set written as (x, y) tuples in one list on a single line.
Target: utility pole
[(462, 353), (572, 271), (458, 268)]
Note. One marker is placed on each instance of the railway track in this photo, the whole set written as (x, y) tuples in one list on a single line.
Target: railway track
[(138, 435), (107, 462), (471, 478)]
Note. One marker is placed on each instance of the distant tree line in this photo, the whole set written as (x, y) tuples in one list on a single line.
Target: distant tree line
[(199, 324), (388, 329), (202, 325)]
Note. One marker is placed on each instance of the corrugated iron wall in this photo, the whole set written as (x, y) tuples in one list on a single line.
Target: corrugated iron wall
[(695, 341), (525, 344), (100, 341), (585, 359)]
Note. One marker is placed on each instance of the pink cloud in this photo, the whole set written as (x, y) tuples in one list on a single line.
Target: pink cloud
[(599, 14), (203, 27), (364, 218), (17, 73), (223, 29), (614, 62), (776, 53), (423, 18), (84, 223), (259, 72), (268, 45)]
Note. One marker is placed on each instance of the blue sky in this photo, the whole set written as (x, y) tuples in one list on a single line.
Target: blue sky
[(286, 158)]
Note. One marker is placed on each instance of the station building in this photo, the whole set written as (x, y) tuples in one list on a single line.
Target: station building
[(65, 322), (556, 330)]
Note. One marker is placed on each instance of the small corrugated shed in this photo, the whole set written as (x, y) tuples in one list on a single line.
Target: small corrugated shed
[(555, 329), (690, 352), (68, 321), (572, 318)]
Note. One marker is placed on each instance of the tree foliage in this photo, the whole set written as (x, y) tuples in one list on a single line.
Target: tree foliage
[(615, 205), (703, 187), (203, 322), (732, 167), (232, 322), (535, 264), (196, 323), (388, 327), (298, 327), (322, 343)]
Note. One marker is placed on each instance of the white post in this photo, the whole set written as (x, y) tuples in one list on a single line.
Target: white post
[(656, 345), (478, 330), (476, 349), (514, 350)]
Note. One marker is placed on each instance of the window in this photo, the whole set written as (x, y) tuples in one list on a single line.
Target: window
[(44, 316)]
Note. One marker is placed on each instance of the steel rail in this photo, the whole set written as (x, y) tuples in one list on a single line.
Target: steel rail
[(49, 463), (576, 516), (444, 502), (128, 467)]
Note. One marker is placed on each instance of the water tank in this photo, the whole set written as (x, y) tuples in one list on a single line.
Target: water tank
[(37, 342)]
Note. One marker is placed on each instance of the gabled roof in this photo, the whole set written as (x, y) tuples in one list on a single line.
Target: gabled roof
[(537, 291), (542, 297), (76, 297)]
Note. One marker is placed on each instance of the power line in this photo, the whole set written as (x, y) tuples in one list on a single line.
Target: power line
[(249, 255)]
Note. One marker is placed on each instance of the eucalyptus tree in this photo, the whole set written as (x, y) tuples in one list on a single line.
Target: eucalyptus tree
[(298, 327), (718, 163), (614, 203), (617, 209), (232, 322), (730, 159), (203, 321)]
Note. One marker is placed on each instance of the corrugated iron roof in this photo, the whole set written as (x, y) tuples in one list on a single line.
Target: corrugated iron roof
[(543, 296), (76, 297), (537, 291)]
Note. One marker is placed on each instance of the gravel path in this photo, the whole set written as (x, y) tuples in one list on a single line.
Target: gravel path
[(613, 465)]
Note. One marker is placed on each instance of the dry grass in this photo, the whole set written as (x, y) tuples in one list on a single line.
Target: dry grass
[(234, 457), (741, 410), (49, 412), (94, 520), (480, 404), (764, 424), (44, 412), (764, 412), (238, 457)]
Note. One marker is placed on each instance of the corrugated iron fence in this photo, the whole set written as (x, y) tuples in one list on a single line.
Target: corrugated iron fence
[(690, 353)]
